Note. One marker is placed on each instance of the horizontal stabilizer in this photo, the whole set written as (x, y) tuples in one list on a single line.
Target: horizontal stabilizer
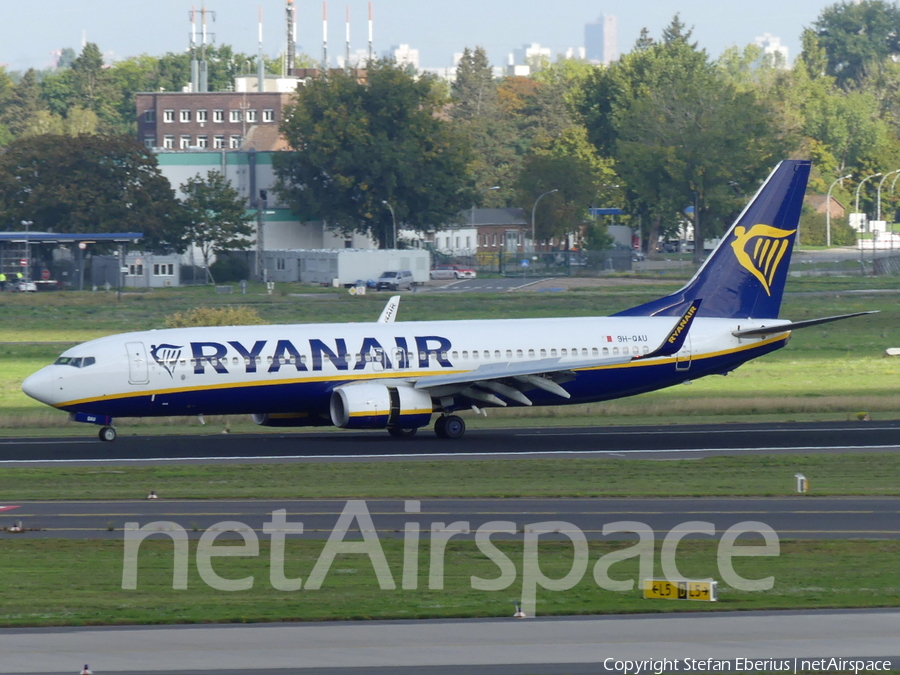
[(785, 327)]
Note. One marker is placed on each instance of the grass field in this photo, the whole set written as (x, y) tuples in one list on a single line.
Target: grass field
[(52, 583), (765, 475), (833, 372)]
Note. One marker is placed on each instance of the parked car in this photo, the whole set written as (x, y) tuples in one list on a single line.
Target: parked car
[(396, 281), (452, 272)]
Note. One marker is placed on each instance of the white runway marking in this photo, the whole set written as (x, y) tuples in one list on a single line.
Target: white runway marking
[(427, 455)]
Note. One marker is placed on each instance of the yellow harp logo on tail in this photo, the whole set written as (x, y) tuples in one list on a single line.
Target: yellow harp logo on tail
[(760, 250)]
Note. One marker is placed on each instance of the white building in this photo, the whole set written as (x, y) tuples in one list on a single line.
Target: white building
[(772, 46), (405, 56), (601, 42)]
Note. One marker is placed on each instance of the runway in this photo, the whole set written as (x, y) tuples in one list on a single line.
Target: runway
[(494, 646), (636, 442), (791, 518)]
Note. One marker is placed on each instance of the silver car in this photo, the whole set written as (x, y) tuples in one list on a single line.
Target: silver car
[(395, 281)]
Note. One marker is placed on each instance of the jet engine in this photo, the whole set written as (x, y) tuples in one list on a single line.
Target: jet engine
[(378, 406)]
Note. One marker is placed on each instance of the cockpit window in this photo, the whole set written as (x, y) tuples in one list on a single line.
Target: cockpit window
[(75, 361)]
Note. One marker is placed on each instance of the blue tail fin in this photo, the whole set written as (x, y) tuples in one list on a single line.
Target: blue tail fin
[(744, 277)]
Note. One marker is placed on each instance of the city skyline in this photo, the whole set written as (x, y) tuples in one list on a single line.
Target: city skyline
[(124, 28)]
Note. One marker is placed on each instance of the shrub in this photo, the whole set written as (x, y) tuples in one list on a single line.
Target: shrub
[(232, 315)]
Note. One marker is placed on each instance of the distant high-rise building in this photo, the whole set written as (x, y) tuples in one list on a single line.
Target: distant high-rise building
[(772, 45), (404, 56), (524, 60), (601, 43)]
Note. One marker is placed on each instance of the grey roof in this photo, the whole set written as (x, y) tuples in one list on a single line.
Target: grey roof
[(494, 217)]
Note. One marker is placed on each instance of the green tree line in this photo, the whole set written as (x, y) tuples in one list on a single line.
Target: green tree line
[(666, 127)]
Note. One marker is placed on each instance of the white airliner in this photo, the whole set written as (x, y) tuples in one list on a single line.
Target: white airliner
[(398, 375)]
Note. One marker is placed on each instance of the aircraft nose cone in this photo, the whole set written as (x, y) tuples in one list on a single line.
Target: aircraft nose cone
[(39, 386)]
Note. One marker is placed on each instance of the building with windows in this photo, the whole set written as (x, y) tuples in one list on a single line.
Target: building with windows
[(601, 43), (205, 121)]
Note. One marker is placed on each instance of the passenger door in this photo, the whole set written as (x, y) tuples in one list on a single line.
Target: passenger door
[(138, 371)]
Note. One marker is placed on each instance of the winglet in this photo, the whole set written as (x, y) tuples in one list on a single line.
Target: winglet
[(389, 313), (675, 340)]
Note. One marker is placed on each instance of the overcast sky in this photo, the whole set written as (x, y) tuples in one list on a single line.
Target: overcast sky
[(30, 31)]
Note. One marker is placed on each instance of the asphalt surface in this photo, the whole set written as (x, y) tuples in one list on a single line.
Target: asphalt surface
[(644, 442), (474, 647), (798, 517)]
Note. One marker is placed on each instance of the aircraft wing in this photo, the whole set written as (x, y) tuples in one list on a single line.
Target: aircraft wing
[(785, 327), (512, 379)]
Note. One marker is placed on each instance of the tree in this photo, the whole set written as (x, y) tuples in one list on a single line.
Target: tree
[(216, 215), (858, 35), (22, 103), (564, 211), (88, 183), (679, 132), (358, 145)]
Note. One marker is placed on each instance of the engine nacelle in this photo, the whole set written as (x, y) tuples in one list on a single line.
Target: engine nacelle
[(377, 406), (290, 420)]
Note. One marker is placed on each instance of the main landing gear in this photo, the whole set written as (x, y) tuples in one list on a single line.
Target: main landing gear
[(107, 434), (450, 427), (402, 432)]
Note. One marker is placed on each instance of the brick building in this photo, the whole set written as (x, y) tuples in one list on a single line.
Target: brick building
[(205, 121)]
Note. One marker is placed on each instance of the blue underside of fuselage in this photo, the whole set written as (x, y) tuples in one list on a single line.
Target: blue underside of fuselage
[(313, 397)]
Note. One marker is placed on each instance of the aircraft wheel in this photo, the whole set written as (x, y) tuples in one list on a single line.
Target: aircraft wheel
[(450, 427), (402, 432), (107, 434)]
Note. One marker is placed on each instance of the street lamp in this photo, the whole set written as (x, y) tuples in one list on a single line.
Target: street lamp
[(828, 209), (393, 220), (878, 193), (496, 187), (874, 175), (533, 210)]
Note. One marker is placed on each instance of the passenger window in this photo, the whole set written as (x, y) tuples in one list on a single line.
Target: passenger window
[(474, 354), (584, 351), (519, 353), (497, 354), (509, 353), (552, 352), (487, 354), (444, 356), (646, 349), (530, 353), (268, 360), (423, 356), (234, 360), (563, 352), (594, 351), (615, 351), (465, 354), (635, 350), (303, 360), (455, 355), (543, 352), (606, 351)]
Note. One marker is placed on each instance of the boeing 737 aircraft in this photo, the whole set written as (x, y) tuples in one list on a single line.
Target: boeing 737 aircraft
[(398, 375)]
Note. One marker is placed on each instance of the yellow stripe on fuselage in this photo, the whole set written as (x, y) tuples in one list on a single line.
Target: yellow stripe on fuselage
[(402, 376)]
